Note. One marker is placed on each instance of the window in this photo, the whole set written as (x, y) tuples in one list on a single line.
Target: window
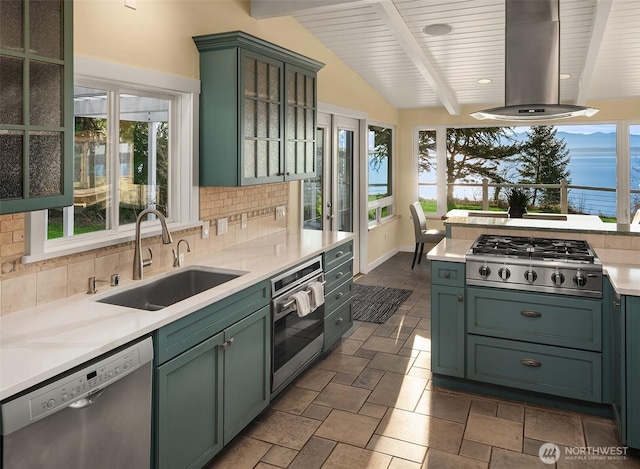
[(132, 151), (568, 168), (380, 180), (634, 166)]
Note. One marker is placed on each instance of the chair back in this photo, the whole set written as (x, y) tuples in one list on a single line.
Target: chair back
[(636, 218), (419, 220)]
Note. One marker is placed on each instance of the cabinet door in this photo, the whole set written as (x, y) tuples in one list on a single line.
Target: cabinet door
[(632, 330), (36, 105), (447, 330), (618, 365), (262, 120), (247, 365), (188, 418), (300, 89)]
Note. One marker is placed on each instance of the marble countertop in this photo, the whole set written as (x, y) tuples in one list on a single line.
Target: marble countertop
[(622, 267), (582, 223), (42, 342)]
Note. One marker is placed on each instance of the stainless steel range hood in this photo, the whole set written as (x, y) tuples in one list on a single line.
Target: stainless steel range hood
[(532, 65)]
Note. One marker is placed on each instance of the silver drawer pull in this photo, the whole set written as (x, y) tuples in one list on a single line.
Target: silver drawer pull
[(340, 275), (531, 362), (531, 314), (460, 298), (339, 321), (339, 295), (447, 275), (226, 344), (339, 254)]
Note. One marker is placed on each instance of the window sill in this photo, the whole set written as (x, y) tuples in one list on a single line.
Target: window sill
[(384, 222), (77, 247)]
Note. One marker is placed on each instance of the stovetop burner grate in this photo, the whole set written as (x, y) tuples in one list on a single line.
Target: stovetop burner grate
[(533, 248)]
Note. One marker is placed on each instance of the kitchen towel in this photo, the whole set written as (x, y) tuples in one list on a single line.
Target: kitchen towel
[(303, 306), (316, 295)]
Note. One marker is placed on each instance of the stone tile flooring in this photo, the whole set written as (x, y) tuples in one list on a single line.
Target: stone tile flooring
[(371, 404)]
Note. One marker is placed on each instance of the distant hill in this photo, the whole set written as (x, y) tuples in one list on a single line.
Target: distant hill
[(591, 141)]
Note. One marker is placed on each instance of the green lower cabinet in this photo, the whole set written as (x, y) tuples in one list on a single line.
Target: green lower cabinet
[(337, 323), (447, 330), (247, 379), (632, 367), (188, 417)]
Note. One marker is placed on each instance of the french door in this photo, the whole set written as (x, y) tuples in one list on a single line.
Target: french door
[(330, 199)]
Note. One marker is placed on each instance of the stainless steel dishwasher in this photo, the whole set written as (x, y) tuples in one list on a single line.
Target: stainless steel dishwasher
[(95, 416)]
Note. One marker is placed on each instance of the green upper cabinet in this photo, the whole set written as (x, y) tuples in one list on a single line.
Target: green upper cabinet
[(36, 105), (257, 111)]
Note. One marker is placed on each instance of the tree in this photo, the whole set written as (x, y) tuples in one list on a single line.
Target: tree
[(472, 153), (544, 159)]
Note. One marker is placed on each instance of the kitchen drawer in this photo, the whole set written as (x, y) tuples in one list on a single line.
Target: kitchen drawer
[(447, 273), (564, 321), (552, 370), (338, 255), (337, 323), (179, 336), (338, 275), (338, 296)]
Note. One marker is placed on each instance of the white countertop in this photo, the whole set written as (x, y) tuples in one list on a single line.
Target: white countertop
[(582, 223), (624, 276), (39, 343)]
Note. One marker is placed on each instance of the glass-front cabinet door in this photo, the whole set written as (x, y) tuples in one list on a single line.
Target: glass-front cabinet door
[(36, 99), (301, 123)]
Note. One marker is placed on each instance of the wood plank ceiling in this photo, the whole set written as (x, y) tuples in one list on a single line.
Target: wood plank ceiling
[(384, 42)]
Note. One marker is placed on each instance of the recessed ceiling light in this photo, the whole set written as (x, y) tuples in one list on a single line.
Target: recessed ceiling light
[(438, 29), (564, 76), (484, 81)]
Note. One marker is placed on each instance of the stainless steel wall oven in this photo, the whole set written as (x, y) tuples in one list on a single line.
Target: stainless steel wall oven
[(296, 340)]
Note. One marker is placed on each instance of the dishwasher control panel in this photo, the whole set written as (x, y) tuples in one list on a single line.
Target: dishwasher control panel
[(87, 384), (75, 388)]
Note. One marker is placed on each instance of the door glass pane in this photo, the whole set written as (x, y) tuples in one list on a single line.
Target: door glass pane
[(310, 81), (11, 169), (143, 156), (291, 87), (249, 159), (11, 103), (262, 159), (300, 92), (344, 213), (45, 28), (634, 154), (274, 120), (274, 83), (249, 118), (249, 77), (312, 189), (45, 94), (12, 30), (263, 80), (274, 157), (45, 164), (262, 119)]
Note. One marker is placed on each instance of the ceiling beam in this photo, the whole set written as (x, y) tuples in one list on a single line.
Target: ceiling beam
[(261, 9), (396, 24), (603, 8)]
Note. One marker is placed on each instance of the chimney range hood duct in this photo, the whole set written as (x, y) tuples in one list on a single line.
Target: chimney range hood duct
[(532, 65)]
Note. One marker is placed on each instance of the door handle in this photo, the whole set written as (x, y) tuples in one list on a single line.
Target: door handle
[(531, 314), (531, 362), (226, 344)]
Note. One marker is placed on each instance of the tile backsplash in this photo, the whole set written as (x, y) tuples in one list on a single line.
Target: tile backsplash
[(28, 285)]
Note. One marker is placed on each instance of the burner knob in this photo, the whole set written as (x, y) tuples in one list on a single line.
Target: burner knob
[(530, 276), (579, 280), (484, 271), (557, 278), (504, 273)]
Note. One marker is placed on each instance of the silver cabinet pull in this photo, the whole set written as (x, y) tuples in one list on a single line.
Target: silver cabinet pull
[(226, 344), (339, 254), (531, 362), (339, 295), (447, 275), (616, 304), (460, 298), (340, 275), (531, 314), (339, 321)]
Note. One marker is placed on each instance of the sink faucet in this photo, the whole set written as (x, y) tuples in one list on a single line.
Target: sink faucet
[(138, 263), (177, 262)]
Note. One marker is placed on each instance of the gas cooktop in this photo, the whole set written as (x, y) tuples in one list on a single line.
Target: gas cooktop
[(565, 266)]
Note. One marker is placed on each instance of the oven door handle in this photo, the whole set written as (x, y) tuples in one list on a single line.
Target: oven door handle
[(282, 309)]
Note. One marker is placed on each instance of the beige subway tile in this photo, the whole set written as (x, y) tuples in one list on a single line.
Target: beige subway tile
[(78, 274), (51, 285), (18, 293), (107, 265)]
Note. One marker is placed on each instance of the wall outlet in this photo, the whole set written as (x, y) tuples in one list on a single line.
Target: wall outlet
[(222, 226), (281, 212), (205, 230), (243, 221), (130, 4)]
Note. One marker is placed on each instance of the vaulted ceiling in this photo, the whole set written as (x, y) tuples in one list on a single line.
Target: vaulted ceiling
[(385, 43)]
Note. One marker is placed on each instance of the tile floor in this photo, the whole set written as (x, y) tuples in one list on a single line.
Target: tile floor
[(371, 404)]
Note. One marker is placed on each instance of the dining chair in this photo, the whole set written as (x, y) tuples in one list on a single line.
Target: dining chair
[(636, 218), (423, 235)]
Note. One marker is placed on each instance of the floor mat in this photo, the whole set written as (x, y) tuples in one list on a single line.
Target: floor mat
[(376, 304)]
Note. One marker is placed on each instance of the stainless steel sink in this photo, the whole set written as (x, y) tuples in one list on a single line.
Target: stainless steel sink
[(172, 288)]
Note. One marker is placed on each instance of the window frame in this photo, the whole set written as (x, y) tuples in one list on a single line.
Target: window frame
[(183, 190), (623, 160), (379, 204)]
